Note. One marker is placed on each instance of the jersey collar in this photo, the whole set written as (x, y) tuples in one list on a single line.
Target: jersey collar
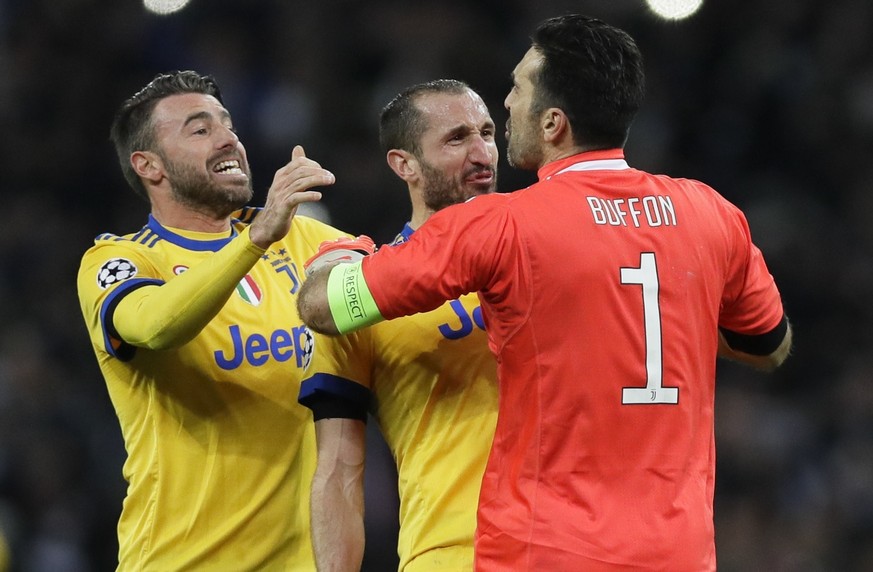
[(607, 160), (190, 240)]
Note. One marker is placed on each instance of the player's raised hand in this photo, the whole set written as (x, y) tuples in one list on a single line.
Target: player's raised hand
[(291, 186)]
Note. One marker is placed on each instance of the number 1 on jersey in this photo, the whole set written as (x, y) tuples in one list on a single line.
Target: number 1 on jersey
[(654, 392)]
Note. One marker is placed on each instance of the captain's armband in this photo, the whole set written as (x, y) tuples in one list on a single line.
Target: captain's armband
[(351, 303)]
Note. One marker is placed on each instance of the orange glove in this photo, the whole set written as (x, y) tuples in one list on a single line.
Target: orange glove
[(340, 250)]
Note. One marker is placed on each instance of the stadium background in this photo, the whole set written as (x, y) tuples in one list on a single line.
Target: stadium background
[(770, 102)]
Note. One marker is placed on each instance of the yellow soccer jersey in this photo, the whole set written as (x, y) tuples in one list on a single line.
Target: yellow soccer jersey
[(434, 386), (220, 454)]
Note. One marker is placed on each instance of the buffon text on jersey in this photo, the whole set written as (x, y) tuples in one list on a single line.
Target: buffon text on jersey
[(651, 210)]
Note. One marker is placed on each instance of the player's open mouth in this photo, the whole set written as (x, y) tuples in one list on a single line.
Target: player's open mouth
[(228, 168)]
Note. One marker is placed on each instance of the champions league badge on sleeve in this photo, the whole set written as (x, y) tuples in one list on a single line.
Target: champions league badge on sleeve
[(115, 271), (308, 347)]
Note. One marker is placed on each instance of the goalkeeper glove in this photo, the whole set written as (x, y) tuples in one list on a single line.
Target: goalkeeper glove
[(340, 250)]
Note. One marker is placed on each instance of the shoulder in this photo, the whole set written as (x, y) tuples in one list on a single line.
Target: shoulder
[(476, 209), (308, 224), (121, 256), (141, 241), (307, 234), (143, 236)]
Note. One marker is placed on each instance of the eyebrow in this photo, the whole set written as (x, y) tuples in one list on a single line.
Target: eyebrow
[(204, 115), (459, 130), (466, 129)]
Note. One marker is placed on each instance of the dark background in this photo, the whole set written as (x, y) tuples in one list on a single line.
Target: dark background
[(769, 102)]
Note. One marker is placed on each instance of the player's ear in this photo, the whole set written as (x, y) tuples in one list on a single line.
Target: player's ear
[(403, 163), (147, 165), (555, 125)]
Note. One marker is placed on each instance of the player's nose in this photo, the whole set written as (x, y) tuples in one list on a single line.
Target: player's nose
[(480, 151)]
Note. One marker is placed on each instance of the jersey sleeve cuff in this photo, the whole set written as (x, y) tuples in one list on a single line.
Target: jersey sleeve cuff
[(757, 345), (329, 397), (112, 342)]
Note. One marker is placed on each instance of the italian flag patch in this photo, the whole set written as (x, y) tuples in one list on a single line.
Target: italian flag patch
[(248, 290)]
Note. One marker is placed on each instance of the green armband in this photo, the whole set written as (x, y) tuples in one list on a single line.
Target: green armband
[(351, 304)]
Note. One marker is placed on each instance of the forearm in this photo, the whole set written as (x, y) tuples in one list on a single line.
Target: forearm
[(337, 527), (337, 500), (335, 300), (168, 316)]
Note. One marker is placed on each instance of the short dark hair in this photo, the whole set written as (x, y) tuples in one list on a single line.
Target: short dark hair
[(132, 128), (401, 123), (594, 73)]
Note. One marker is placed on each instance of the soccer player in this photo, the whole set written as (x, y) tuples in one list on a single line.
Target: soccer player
[(430, 377), (193, 323), (607, 293)]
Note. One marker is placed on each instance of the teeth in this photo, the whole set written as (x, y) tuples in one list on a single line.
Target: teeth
[(230, 167)]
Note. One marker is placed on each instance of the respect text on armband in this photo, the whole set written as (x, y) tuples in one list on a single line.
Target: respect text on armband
[(351, 289)]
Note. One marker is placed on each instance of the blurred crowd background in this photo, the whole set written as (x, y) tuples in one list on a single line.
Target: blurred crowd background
[(769, 102)]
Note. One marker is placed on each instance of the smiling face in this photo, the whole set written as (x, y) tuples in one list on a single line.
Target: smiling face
[(458, 154), (201, 155)]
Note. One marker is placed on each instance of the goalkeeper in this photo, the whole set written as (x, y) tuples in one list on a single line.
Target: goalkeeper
[(607, 293)]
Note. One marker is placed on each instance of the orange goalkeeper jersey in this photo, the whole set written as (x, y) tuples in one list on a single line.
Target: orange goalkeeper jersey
[(602, 290)]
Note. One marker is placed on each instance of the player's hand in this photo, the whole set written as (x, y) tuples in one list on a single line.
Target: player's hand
[(339, 250), (291, 187)]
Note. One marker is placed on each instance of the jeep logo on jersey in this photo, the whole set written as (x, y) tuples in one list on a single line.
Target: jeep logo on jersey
[(257, 349), (465, 324), (115, 271)]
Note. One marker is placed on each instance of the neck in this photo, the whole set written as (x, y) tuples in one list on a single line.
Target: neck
[(420, 211), (185, 218), (418, 217), (552, 154)]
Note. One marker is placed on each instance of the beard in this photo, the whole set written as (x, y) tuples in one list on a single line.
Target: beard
[(522, 146), (441, 191), (195, 189)]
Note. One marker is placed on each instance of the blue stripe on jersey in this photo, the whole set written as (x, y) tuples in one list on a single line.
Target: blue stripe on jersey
[(143, 232), (124, 351), (153, 240), (188, 243)]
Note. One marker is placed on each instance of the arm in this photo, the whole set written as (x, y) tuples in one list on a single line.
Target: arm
[(455, 252), (337, 500), (169, 315), (765, 352), (312, 303), (335, 300)]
